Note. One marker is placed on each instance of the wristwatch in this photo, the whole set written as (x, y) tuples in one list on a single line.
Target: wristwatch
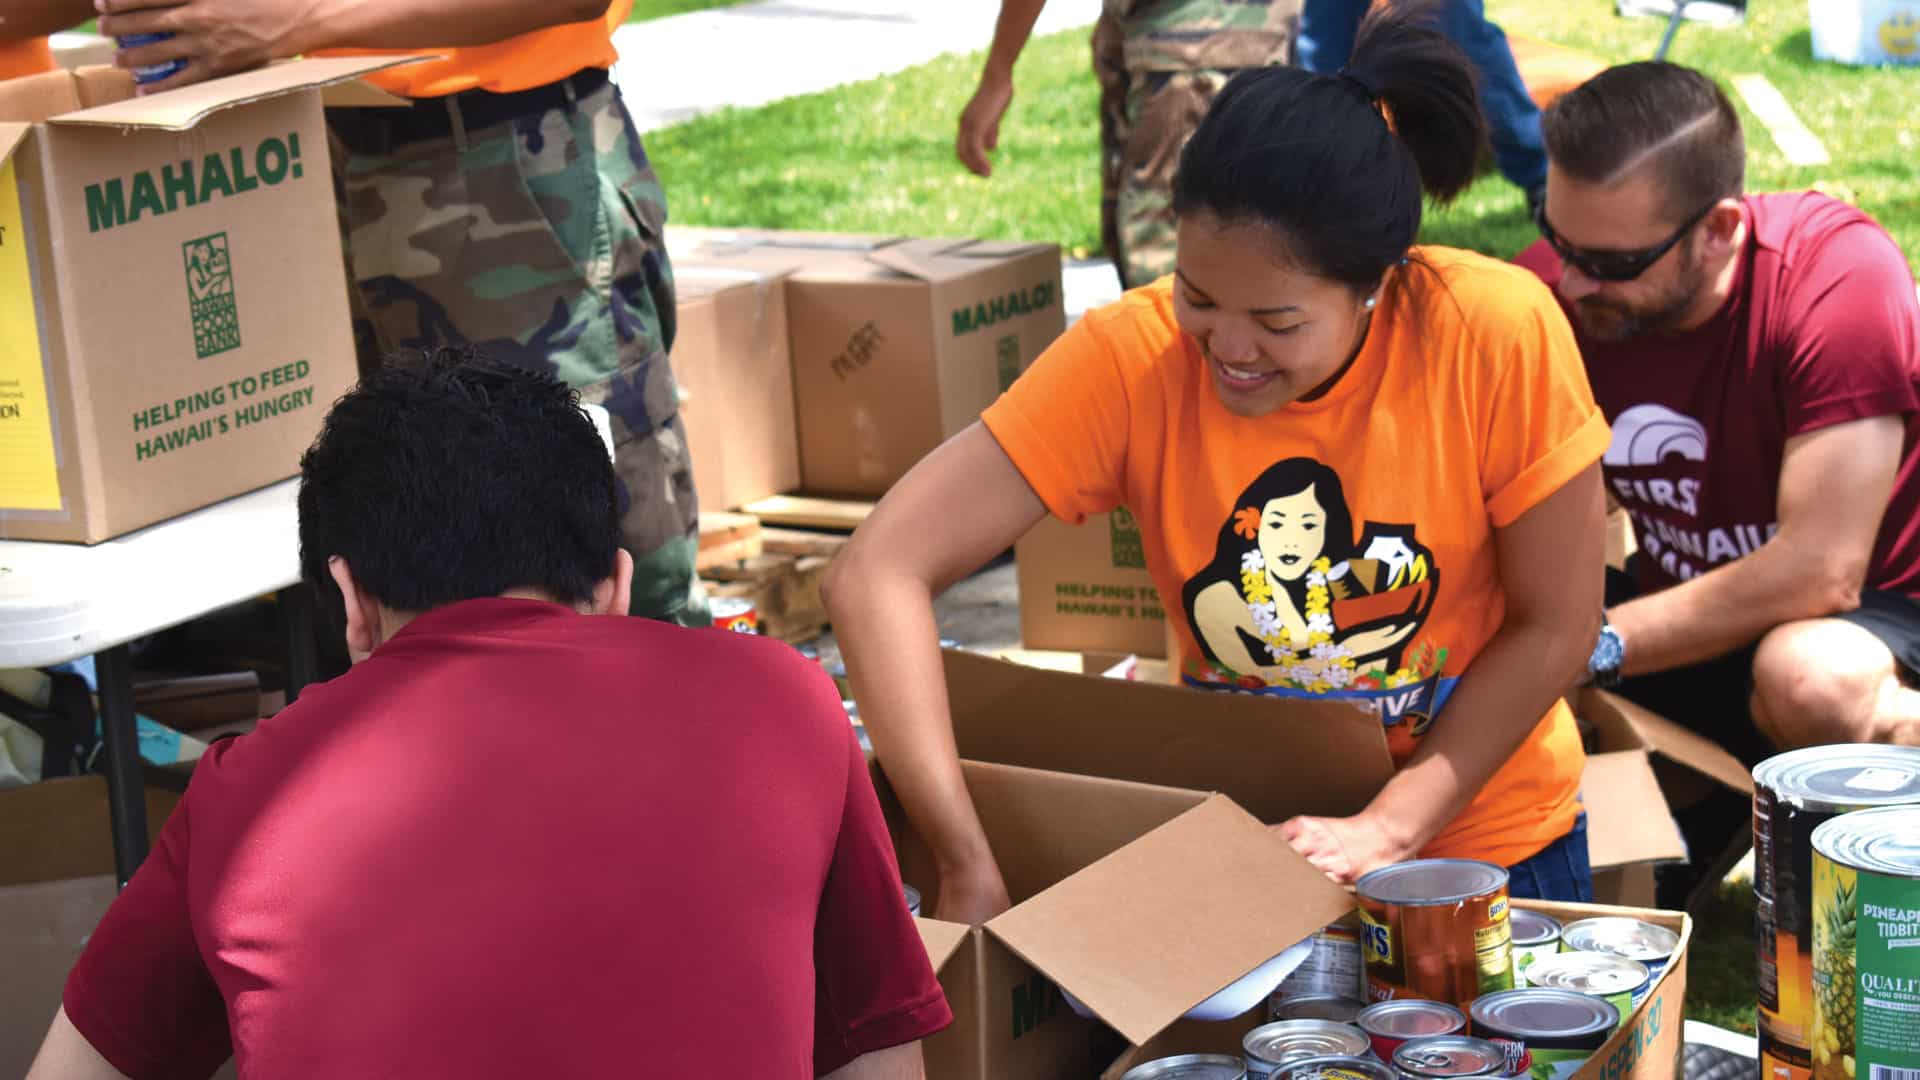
[(1603, 667)]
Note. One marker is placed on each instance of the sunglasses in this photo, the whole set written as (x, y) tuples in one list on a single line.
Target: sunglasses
[(1612, 265)]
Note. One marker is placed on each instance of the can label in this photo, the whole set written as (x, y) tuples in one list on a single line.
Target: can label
[(1334, 968), (737, 615), (1555, 1064), (1784, 951), (1448, 952), (1866, 975)]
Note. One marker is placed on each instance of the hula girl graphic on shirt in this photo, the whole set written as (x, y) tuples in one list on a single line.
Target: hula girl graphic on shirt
[(1293, 604)]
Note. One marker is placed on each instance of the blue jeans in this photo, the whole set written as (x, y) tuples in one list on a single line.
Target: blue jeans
[(1559, 872), (1326, 40)]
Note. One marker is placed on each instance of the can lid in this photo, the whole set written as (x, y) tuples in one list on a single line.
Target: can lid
[(1537, 1012), (1190, 1067), (1843, 776), (1432, 881), (1884, 841), (1533, 928), (1449, 1055), (1403, 1018), (1293, 1040), (726, 606), (1621, 936), (1319, 1007), (1588, 973), (1336, 1067)]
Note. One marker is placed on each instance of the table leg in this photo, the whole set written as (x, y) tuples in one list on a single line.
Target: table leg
[(298, 613), (126, 791)]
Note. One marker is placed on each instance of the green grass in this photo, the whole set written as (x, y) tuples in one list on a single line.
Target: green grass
[(1721, 984), (877, 156), (660, 9)]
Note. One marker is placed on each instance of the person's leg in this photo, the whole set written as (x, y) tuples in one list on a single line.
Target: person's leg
[(1513, 120), (1841, 680), (1326, 33), (1110, 71), (1561, 871), (1163, 109)]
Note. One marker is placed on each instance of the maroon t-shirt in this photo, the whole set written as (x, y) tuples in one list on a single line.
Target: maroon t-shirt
[(1822, 328), (522, 842)]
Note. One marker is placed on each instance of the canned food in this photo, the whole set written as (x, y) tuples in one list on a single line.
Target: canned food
[(1630, 938), (1793, 794), (1449, 1056), (1436, 929), (1189, 1067), (913, 899), (1534, 936), (1320, 1007), (1619, 982), (1336, 1067), (1547, 1034), (1866, 946), (1391, 1023), (1332, 969), (735, 613), (151, 73), (1274, 1045)]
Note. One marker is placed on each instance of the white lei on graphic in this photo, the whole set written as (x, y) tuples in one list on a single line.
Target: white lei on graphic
[(1319, 663)]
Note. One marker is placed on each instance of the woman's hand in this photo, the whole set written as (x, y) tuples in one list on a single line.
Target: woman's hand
[(1343, 848)]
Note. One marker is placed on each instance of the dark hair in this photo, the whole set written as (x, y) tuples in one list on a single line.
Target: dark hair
[(450, 477), (1314, 158), (1289, 477), (1651, 115)]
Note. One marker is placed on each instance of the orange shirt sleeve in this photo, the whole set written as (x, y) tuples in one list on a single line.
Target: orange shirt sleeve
[(1065, 421), (1541, 427)]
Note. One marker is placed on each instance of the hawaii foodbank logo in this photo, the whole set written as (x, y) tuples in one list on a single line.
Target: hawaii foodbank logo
[(216, 319)]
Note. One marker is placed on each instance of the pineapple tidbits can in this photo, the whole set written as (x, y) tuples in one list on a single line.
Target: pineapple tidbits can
[(1866, 946), (1190, 1067), (1272, 1046), (1793, 794), (1547, 1034), (1534, 936), (1436, 929)]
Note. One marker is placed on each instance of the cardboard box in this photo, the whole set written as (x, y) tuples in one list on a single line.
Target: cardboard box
[(897, 344), (1086, 588), (173, 313), (731, 360), (1140, 901), (1647, 1048), (1281, 758)]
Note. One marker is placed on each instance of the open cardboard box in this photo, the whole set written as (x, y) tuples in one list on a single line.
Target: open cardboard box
[(1647, 1048), (1281, 758), (1141, 901), (731, 360)]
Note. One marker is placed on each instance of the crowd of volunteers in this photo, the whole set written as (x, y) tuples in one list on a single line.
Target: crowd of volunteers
[(518, 838)]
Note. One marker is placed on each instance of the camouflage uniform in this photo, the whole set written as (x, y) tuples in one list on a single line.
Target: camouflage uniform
[(540, 241), (1159, 64)]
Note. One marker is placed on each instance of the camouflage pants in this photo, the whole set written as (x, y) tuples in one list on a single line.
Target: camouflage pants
[(539, 241), (1146, 115)]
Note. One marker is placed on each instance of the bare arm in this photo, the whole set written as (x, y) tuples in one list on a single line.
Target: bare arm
[(1550, 570), (67, 1055), (38, 18), (980, 121), (1834, 486), (901, 1062), (218, 37), (961, 506)]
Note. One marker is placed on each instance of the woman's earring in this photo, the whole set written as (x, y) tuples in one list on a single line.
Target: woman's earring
[(1371, 301)]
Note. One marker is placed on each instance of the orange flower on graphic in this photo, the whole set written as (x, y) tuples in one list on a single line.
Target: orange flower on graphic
[(1246, 522)]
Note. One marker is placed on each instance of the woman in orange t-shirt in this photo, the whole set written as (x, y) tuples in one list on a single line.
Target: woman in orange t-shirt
[(1362, 470)]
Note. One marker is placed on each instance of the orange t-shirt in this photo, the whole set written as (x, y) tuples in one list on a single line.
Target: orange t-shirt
[(518, 63), (1342, 547), (24, 56)]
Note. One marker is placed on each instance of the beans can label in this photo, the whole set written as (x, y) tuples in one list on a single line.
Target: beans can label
[(1866, 975), (1544, 1064)]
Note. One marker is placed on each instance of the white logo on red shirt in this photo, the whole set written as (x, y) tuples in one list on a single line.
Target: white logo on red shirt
[(1651, 434)]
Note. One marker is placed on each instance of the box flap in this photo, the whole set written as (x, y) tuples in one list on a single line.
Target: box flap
[(103, 85), (946, 259), (11, 136), (178, 110), (942, 939), (1627, 818), (1676, 743), (1267, 755), (1157, 927), (33, 98)]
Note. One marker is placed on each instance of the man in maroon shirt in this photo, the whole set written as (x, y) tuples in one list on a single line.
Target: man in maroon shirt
[(1759, 359), (479, 853)]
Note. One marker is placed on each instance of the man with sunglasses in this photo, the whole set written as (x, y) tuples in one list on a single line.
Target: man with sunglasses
[(1758, 357)]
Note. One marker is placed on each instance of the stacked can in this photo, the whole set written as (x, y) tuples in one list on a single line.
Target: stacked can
[(1793, 794), (1190, 1067), (152, 73), (1333, 969), (1272, 1047), (1437, 929)]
